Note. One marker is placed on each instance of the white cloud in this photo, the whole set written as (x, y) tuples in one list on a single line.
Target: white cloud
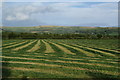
[(95, 14), (21, 16), (24, 12), (65, 13), (110, 5), (17, 16), (9, 18)]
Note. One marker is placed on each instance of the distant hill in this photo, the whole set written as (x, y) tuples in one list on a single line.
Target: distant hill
[(64, 29)]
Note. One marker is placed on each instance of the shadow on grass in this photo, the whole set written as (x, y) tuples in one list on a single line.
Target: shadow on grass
[(101, 76), (5, 72)]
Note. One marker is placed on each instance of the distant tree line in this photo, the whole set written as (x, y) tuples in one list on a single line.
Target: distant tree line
[(17, 35)]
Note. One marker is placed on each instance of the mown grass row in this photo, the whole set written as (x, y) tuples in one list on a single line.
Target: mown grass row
[(87, 60), (74, 68), (106, 43), (52, 60), (62, 61), (100, 52)]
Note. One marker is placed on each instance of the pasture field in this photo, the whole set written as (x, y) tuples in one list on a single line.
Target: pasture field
[(52, 58)]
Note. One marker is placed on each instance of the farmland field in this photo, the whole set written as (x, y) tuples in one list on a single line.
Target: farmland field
[(52, 58)]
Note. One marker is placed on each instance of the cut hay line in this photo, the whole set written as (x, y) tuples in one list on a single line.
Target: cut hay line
[(70, 58), (36, 47), (86, 58), (106, 53), (34, 55), (73, 58), (110, 50), (102, 61), (48, 48), (60, 61), (26, 45), (9, 43), (80, 58), (20, 58), (16, 44), (67, 67), (63, 48), (48, 71), (80, 50), (37, 55), (108, 59), (84, 63)]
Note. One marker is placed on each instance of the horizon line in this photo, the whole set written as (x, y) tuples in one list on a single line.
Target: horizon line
[(59, 26)]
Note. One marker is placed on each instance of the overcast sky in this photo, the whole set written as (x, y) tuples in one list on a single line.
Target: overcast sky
[(60, 13)]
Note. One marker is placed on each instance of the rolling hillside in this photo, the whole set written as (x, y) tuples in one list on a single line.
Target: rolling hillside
[(64, 29)]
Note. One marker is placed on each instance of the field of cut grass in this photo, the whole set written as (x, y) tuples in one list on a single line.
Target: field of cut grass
[(60, 59)]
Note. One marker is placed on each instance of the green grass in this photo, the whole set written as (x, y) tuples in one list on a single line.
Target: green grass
[(58, 64), (99, 43)]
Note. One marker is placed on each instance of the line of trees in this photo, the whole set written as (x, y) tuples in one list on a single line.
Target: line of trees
[(16, 35)]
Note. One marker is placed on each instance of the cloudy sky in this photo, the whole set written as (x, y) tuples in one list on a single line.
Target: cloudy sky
[(60, 13)]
